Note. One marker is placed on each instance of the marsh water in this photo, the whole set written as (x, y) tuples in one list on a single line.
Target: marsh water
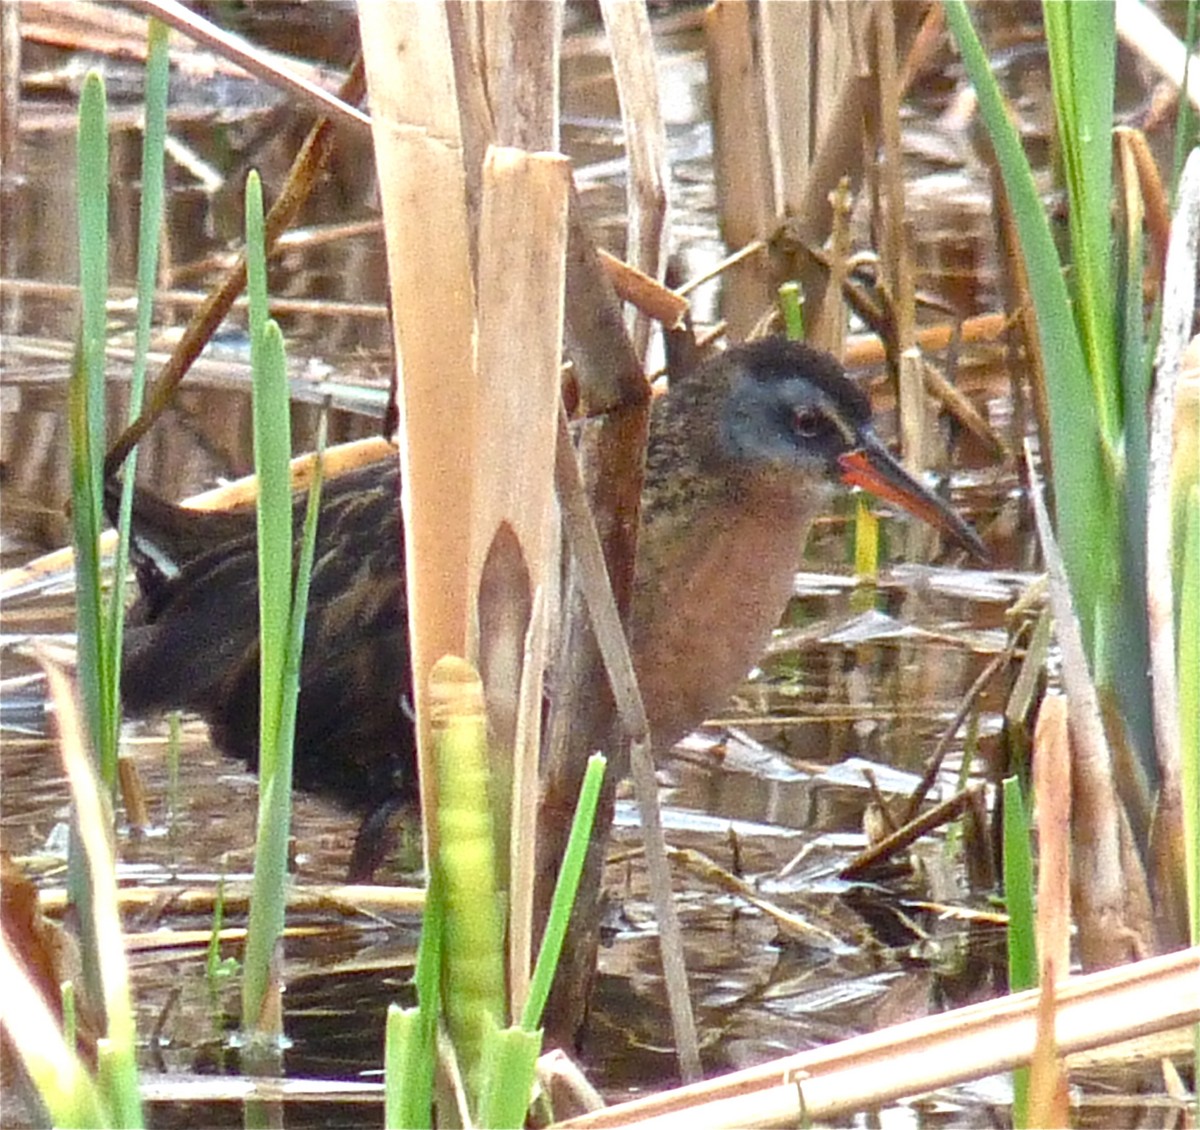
[(782, 791)]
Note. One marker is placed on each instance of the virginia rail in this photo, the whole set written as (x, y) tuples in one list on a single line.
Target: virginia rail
[(742, 454)]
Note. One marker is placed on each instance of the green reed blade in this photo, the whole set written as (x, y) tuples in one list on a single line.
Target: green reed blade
[(791, 306), (1081, 39), (93, 257), (272, 450), (408, 1062), (409, 1066), (1130, 618), (1083, 466), (150, 227), (1018, 897), (215, 968), (275, 552), (1185, 114), (86, 417), (565, 888), (281, 623), (1018, 890), (294, 654), (85, 406), (93, 824), (1188, 647), (274, 820), (85, 522)]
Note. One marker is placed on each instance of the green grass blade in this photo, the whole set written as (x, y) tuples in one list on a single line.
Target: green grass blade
[(1081, 39), (1018, 890), (293, 657), (1185, 115), (1189, 716), (275, 802), (791, 306), (1131, 659), (85, 521), (277, 621), (150, 227), (1083, 467), (86, 417), (1018, 897), (85, 429), (272, 450), (93, 255), (274, 769), (564, 894), (408, 1063), (217, 969), (256, 257), (412, 1093)]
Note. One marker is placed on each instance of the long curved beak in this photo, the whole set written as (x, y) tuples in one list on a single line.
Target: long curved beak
[(874, 468)]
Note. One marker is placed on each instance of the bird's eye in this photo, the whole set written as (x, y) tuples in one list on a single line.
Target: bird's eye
[(806, 422)]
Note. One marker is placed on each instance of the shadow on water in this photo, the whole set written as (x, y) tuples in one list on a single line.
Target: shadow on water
[(764, 809)]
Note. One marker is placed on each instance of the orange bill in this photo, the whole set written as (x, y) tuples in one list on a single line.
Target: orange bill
[(874, 468)]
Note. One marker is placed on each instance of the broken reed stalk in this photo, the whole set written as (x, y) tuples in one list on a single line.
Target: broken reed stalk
[(514, 537), (418, 155), (794, 80), (745, 203), (636, 74), (1109, 905), (1047, 1089)]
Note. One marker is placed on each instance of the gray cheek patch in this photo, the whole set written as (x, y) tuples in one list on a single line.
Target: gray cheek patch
[(757, 424)]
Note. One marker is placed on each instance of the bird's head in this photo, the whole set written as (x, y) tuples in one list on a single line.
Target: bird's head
[(789, 410)]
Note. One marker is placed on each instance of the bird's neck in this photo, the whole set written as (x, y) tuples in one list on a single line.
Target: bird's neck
[(713, 579)]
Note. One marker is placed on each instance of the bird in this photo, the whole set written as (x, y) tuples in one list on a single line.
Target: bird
[(742, 453)]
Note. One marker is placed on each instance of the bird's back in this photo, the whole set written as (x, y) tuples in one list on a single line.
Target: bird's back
[(192, 640)]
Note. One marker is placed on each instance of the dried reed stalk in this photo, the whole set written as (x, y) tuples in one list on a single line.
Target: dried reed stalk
[(1109, 888), (636, 76), (745, 202), (1168, 853), (1052, 790), (796, 76), (921, 1055), (514, 546), (418, 153)]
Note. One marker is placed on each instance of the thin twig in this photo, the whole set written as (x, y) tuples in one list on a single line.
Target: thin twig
[(256, 62), (934, 765), (909, 834), (303, 174), (610, 638)]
